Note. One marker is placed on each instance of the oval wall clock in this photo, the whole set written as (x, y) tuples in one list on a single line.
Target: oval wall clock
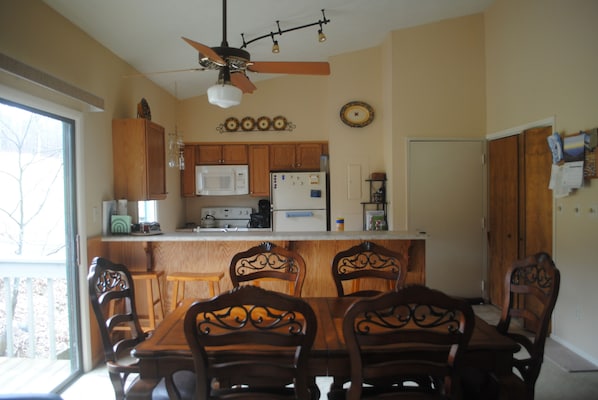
[(357, 114)]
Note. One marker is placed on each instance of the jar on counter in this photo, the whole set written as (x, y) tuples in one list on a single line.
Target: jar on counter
[(340, 224)]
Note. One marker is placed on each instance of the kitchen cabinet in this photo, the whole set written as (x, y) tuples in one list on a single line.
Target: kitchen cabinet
[(296, 156), (259, 170), (139, 159), (520, 203), (188, 174), (211, 154)]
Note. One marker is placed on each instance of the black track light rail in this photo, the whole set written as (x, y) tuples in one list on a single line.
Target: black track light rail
[(320, 22)]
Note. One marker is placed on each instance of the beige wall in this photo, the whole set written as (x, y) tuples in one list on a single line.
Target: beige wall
[(521, 61), (541, 62)]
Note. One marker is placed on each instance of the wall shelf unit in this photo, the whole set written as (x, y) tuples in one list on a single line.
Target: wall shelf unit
[(377, 203)]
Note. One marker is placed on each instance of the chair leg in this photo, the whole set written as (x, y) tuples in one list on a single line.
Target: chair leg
[(175, 295), (118, 383)]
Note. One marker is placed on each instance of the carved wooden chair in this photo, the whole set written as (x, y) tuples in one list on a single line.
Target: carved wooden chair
[(280, 330), (112, 296), (268, 261), (531, 290), (436, 325), (368, 260)]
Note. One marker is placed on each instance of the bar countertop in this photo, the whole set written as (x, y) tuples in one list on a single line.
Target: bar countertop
[(266, 236)]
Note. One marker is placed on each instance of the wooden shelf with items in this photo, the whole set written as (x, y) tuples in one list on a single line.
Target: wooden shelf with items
[(375, 220)]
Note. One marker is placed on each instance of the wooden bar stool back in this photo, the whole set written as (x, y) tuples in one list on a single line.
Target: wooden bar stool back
[(212, 278), (151, 279)]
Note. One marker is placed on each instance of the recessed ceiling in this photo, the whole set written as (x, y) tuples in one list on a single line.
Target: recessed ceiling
[(147, 33)]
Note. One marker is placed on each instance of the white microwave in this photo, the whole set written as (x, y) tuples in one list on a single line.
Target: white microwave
[(221, 180)]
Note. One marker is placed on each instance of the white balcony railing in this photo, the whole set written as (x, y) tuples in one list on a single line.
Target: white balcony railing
[(33, 309)]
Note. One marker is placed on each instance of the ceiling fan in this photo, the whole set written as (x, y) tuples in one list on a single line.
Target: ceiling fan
[(233, 64)]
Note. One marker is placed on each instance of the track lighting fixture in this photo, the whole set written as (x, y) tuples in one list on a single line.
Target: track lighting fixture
[(321, 36), (275, 47)]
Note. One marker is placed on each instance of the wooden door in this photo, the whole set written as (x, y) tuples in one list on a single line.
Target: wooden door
[(282, 157), (446, 199), (503, 203), (259, 170), (156, 162), (208, 154), (308, 156), (234, 154), (537, 198), (188, 174), (520, 203)]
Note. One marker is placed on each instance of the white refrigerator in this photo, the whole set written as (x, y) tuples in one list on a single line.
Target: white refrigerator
[(299, 201)]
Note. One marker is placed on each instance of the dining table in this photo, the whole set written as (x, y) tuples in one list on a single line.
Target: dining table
[(166, 351)]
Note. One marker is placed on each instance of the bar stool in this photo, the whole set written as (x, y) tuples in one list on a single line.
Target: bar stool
[(213, 279), (150, 278)]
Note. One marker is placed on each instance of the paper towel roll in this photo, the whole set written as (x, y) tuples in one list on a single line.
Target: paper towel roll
[(122, 207)]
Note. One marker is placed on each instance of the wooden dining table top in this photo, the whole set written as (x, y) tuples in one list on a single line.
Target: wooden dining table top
[(166, 350)]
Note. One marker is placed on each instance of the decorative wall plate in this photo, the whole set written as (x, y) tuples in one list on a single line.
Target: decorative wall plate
[(263, 123), (248, 124), (357, 114), (279, 123), (231, 124)]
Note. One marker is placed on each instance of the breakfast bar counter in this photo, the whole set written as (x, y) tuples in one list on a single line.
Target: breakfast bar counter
[(212, 251)]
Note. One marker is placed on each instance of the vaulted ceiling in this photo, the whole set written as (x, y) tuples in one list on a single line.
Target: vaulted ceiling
[(147, 33)]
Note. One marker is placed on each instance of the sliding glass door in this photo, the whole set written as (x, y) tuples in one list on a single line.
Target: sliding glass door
[(39, 307)]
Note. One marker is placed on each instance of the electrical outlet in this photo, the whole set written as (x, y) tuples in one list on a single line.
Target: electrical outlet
[(577, 210), (593, 210)]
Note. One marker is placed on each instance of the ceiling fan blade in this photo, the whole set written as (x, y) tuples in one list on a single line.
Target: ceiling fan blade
[(240, 80), (170, 71), (299, 67), (206, 51)]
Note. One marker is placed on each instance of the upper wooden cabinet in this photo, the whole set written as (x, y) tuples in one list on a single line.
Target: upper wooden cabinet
[(139, 159), (210, 154), (260, 157), (188, 174), (296, 156), (259, 170)]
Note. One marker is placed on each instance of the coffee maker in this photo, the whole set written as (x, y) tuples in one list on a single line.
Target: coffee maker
[(261, 219)]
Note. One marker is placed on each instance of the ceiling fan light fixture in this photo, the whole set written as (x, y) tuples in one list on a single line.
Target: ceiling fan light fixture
[(224, 95)]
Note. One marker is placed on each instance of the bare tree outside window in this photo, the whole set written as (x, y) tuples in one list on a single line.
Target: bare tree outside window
[(32, 223)]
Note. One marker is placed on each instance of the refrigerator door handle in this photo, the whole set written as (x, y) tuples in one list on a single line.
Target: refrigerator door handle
[(295, 214)]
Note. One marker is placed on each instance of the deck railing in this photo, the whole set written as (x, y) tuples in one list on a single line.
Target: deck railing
[(32, 293)]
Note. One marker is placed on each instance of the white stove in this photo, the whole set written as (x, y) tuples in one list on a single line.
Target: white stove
[(226, 218)]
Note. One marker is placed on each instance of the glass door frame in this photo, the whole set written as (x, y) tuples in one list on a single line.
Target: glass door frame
[(76, 272)]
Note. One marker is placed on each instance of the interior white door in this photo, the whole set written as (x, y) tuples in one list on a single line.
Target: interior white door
[(446, 187)]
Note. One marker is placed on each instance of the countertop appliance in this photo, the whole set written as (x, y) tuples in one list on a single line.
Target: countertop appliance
[(221, 180), (223, 219), (261, 218), (299, 201)]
